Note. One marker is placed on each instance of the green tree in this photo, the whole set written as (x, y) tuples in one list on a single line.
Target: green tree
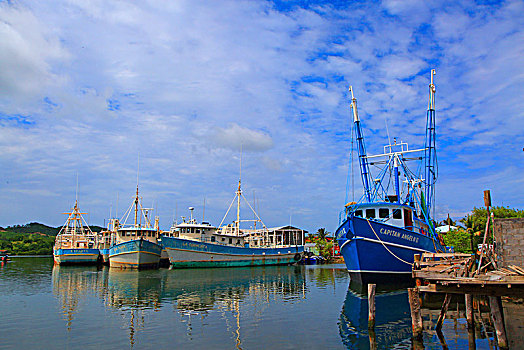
[(324, 246), (459, 239)]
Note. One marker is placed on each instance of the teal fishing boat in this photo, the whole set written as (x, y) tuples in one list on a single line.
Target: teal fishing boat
[(136, 245)]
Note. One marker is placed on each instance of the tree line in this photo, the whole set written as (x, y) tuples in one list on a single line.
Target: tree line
[(466, 239)]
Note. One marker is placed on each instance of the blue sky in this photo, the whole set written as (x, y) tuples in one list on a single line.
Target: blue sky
[(87, 86)]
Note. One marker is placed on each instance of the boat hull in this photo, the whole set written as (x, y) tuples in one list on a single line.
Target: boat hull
[(104, 253), (76, 256), (185, 253), (375, 251), (135, 254)]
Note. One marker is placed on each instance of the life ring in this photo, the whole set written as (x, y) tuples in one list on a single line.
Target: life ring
[(297, 256)]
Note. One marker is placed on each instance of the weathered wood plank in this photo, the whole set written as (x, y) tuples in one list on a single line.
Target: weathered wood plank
[(443, 311)]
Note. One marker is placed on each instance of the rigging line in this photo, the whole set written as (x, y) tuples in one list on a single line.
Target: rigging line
[(227, 212), (372, 229)]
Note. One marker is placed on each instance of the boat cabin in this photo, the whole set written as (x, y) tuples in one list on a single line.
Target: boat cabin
[(394, 214), (125, 234), (204, 232)]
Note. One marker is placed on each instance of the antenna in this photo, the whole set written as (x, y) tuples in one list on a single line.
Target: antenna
[(387, 130), (76, 195), (137, 170)]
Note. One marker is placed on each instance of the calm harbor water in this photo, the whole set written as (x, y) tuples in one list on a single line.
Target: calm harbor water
[(286, 307)]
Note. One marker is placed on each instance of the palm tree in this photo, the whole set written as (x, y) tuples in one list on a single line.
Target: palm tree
[(322, 233)]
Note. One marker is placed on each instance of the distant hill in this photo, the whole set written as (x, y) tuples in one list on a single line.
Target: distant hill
[(36, 227)]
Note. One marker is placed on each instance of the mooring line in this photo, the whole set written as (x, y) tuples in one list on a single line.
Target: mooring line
[(372, 229)]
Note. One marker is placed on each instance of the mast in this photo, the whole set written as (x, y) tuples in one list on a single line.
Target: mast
[(136, 206), (397, 185), (430, 153), (239, 194), (136, 198), (363, 162)]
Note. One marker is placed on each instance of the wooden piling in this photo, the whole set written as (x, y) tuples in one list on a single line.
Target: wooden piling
[(495, 306), (443, 311), (416, 316), (471, 339), (416, 266), (468, 299), (372, 339), (371, 306)]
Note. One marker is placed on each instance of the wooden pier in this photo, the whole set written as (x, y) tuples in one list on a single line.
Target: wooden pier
[(451, 273)]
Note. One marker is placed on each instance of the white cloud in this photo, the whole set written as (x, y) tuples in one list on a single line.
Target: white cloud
[(27, 51), (236, 137)]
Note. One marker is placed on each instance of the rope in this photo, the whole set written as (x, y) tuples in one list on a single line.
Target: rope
[(372, 229)]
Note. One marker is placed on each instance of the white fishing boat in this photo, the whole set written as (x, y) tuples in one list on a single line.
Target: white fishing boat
[(136, 245), (75, 243), (203, 245)]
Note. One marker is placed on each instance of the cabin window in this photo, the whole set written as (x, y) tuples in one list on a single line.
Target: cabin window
[(223, 239), (397, 214), (197, 230), (383, 213), (238, 241), (212, 238), (358, 213), (370, 213), (230, 240)]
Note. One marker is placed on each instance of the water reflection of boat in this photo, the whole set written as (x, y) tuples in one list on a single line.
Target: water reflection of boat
[(72, 283), (392, 323), (134, 294), (135, 289)]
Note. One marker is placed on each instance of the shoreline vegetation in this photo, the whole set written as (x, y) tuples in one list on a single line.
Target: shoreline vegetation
[(31, 239), (467, 238)]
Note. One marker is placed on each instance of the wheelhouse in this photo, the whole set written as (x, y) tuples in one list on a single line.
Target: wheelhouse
[(395, 214)]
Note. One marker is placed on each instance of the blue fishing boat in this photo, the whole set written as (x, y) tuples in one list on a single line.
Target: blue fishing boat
[(136, 245), (75, 243), (379, 234)]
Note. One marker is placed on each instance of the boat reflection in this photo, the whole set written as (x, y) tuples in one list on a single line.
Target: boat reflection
[(135, 294), (199, 290), (392, 319), (73, 283)]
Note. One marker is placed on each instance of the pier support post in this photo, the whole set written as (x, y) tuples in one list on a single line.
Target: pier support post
[(416, 316), (416, 266), (372, 339), (495, 305), (371, 306), (468, 300), (443, 311)]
